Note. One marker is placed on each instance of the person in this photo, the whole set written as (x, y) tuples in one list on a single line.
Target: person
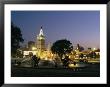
[(34, 60), (37, 61), (55, 62)]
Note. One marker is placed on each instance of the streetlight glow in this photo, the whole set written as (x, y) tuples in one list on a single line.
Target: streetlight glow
[(94, 48), (34, 48)]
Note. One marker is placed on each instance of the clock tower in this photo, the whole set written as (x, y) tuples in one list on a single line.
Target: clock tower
[(40, 41)]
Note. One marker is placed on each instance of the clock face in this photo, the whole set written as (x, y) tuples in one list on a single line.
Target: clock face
[(40, 38)]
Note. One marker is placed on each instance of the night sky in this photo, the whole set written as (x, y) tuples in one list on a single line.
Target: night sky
[(81, 27)]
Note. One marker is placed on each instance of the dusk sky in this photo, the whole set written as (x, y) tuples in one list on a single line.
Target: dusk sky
[(80, 27)]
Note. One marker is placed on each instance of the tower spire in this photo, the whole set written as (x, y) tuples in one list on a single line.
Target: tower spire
[(41, 31), (41, 27)]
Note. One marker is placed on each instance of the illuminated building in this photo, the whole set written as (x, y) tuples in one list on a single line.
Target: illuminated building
[(39, 49), (40, 44)]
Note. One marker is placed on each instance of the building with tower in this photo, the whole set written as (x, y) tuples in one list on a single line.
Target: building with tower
[(40, 42), (39, 49)]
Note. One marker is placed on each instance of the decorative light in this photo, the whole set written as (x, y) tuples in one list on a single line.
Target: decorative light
[(94, 48), (71, 65)]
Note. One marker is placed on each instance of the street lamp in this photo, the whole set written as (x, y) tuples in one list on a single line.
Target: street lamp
[(94, 49)]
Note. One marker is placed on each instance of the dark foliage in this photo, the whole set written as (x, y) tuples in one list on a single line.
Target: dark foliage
[(62, 47), (16, 38), (92, 55)]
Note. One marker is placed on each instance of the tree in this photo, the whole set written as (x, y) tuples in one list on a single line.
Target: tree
[(81, 48), (16, 39), (92, 54), (19, 53), (62, 47)]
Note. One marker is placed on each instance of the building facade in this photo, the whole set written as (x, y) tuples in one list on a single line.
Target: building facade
[(40, 49), (40, 42)]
